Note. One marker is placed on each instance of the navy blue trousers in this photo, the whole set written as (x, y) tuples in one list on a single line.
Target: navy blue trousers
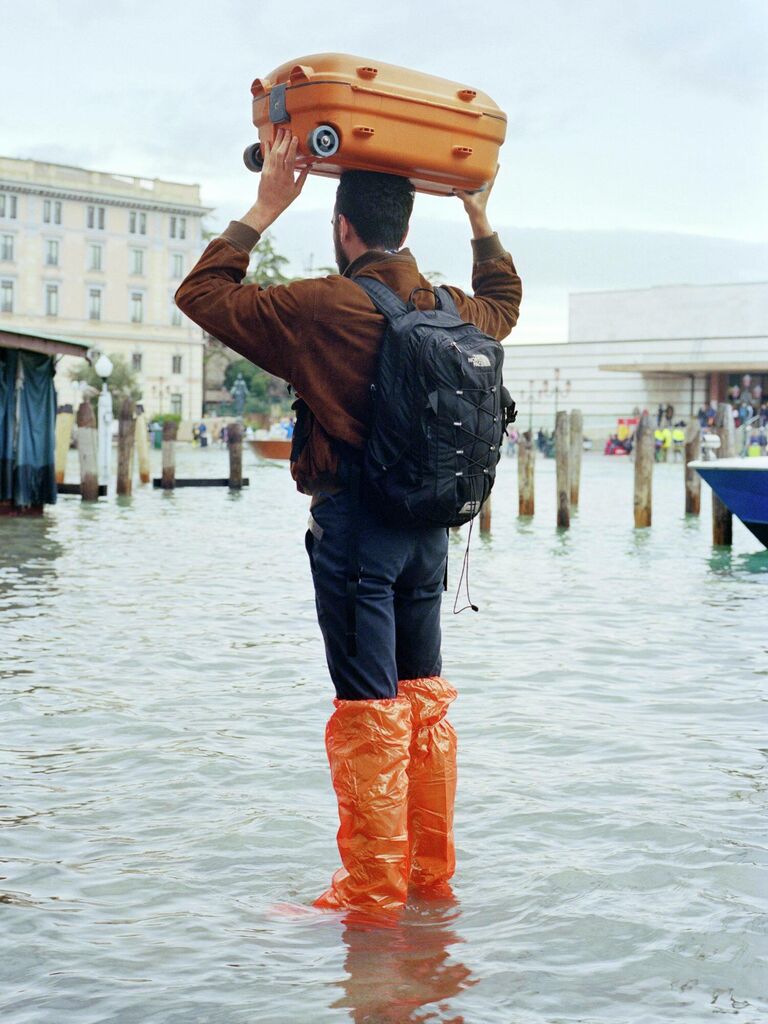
[(398, 598)]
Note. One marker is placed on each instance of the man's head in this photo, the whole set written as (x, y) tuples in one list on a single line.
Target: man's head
[(372, 211)]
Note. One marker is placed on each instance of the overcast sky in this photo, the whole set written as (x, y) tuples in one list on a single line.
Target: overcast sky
[(623, 117)]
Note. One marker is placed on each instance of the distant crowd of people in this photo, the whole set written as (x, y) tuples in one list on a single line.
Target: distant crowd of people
[(750, 412)]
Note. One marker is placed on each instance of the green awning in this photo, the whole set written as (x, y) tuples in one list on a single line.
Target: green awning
[(48, 344)]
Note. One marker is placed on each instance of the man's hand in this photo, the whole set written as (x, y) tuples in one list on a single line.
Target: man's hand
[(278, 185), (475, 203)]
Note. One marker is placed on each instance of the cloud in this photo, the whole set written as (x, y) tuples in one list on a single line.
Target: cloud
[(705, 45)]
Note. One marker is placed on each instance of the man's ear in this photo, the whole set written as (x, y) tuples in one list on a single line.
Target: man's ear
[(344, 227)]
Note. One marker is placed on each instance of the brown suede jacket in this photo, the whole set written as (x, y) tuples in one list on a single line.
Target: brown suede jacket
[(322, 335)]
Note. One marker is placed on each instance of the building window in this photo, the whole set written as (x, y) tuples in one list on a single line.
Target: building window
[(94, 304), (137, 223), (178, 227), (176, 364), (136, 362), (176, 404), (6, 247), (51, 300), (94, 257), (137, 308), (95, 217), (51, 211), (178, 265), (137, 261), (175, 315), (6, 296), (8, 206), (52, 253)]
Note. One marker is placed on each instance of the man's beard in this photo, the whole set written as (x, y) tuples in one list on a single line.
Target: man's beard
[(341, 260)]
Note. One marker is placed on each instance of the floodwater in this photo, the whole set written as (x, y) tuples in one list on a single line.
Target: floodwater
[(164, 791)]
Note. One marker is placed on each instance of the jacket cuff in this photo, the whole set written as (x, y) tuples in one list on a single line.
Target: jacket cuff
[(489, 248), (240, 235)]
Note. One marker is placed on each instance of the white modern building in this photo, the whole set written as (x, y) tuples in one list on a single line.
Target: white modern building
[(97, 258), (633, 350)]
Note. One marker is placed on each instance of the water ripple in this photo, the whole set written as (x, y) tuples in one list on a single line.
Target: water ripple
[(166, 811)]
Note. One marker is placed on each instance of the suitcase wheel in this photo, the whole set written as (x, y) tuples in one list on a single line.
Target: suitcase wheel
[(252, 157), (323, 141)]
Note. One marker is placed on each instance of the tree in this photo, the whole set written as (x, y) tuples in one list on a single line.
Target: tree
[(122, 382), (267, 265)]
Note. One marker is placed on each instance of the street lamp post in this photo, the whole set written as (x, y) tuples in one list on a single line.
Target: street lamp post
[(103, 368)]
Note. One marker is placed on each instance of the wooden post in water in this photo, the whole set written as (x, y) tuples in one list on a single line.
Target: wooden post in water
[(485, 516), (88, 452), (169, 455), (562, 457), (64, 419), (722, 520), (126, 435), (692, 478), (577, 446), (644, 453), (142, 444), (526, 455), (235, 442)]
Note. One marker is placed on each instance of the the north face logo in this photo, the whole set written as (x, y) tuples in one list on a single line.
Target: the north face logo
[(479, 360)]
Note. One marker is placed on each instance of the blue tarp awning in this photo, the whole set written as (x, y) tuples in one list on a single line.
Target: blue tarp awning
[(27, 428)]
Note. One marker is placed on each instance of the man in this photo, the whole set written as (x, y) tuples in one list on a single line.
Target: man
[(391, 750)]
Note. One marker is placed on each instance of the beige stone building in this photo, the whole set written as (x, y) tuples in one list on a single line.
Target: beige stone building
[(97, 258)]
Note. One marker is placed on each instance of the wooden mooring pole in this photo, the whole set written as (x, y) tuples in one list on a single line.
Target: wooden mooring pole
[(485, 516), (644, 453), (577, 446), (142, 445), (64, 420), (562, 458), (235, 443), (526, 456), (692, 478), (88, 452), (168, 480), (722, 520), (125, 438)]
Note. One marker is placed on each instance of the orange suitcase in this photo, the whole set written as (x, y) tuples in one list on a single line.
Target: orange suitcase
[(353, 113)]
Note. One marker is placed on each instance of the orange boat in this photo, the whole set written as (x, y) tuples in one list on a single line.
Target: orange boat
[(271, 447)]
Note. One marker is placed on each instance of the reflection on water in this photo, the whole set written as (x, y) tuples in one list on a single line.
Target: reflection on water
[(405, 973), (29, 549), (163, 780)]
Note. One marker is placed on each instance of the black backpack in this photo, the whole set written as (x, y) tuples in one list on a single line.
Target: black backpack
[(439, 412)]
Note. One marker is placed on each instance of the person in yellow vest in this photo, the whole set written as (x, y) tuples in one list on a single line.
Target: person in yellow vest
[(658, 440), (678, 440), (666, 443)]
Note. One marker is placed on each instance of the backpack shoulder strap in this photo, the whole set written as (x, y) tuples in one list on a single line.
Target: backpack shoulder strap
[(446, 301), (382, 296)]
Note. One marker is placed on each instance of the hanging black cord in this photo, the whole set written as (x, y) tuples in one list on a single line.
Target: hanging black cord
[(474, 497)]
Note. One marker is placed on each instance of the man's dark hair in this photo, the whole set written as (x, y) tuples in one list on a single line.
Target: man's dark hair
[(378, 206)]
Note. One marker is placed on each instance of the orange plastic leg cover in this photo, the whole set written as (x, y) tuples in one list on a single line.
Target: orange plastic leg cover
[(431, 783), (368, 749)]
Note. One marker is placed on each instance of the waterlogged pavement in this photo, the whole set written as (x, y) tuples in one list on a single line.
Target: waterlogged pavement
[(166, 808)]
